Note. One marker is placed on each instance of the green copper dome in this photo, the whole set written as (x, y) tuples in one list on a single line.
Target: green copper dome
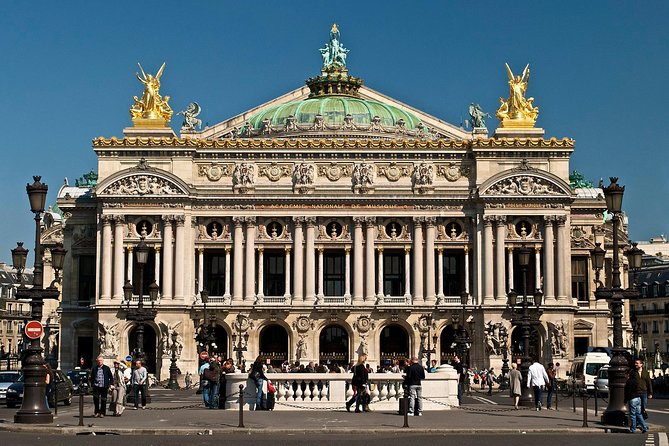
[(334, 110)]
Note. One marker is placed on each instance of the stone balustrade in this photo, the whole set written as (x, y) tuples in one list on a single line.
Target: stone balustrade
[(329, 391)]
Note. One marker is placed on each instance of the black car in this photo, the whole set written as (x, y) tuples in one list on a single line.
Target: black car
[(79, 377), (63, 385)]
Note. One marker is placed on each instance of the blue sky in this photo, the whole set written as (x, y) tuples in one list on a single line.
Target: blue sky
[(599, 75)]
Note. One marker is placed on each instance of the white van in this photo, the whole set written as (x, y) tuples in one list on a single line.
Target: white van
[(584, 369)]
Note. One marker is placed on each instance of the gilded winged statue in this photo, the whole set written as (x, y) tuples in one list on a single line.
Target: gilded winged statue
[(151, 106), (517, 111)]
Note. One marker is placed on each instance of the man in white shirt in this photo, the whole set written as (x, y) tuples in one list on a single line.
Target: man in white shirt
[(537, 378)]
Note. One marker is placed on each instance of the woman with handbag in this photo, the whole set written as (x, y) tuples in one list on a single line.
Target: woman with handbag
[(258, 376), (359, 384), (117, 390)]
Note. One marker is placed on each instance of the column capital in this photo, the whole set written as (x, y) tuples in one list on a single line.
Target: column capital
[(370, 220), (440, 249), (310, 221), (430, 221), (419, 219), (379, 249), (119, 220), (180, 219), (130, 248), (407, 249), (168, 219), (228, 249), (549, 219), (358, 221), (488, 220), (238, 221), (500, 220), (106, 219), (347, 249), (200, 250), (466, 249), (510, 249), (298, 220), (250, 220), (537, 249), (287, 249), (561, 219), (260, 249), (157, 248)]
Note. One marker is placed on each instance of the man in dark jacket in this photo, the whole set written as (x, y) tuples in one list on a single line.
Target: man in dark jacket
[(644, 384), (101, 378), (415, 374)]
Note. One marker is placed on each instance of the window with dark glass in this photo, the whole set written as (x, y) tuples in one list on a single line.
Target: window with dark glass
[(655, 327), (86, 279), (579, 278), (453, 273), (333, 273), (393, 273), (214, 267), (274, 263)]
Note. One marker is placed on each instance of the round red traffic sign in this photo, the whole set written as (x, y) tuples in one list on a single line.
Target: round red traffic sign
[(204, 355), (34, 329)]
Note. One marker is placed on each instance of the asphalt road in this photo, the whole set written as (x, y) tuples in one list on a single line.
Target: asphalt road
[(339, 439)]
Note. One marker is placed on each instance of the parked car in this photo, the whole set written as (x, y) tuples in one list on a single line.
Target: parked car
[(584, 369), (602, 382), (7, 379), (79, 376), (63, 386)]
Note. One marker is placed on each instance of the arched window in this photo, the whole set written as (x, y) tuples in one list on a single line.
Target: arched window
[(333, 346)]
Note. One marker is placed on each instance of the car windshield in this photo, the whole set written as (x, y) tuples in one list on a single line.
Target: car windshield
[(592, 368), (604, 374), (8, 377)]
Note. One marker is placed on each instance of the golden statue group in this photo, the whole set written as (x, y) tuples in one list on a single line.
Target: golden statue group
[(516, 111), (151, 110)]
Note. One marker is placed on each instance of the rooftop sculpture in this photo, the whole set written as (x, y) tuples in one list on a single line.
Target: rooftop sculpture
[(151, 110), (517, 111)]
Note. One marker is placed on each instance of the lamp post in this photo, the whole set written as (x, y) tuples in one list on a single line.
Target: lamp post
[(34, 409), (524, 320), (174, 370), (636, 328), (240, 340), (463, 340), (204, 336), (615, 413), (429, 349), (140, 315)]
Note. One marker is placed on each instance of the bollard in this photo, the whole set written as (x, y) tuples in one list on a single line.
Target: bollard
[(405, 408), (81, 407), (241, 405), (573, 397), (556, 397), (55, 399), (585, 410), (596, 392)]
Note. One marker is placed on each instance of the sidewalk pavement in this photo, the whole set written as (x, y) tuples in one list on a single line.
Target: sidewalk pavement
[(173, 413)]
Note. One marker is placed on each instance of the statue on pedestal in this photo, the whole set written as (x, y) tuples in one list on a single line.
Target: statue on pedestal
[(151, 108), (517, 111)]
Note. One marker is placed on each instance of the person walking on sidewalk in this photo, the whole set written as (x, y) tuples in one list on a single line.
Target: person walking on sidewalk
[(490, 380), (551, 386), (138, 381), (213, 375), (414, 378), (537, 378), (359, 384), (633, 400), (515, 384), (117, 390), (257, 374), (101, 378), (645, 385)]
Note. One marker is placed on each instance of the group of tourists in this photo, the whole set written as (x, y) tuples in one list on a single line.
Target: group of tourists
[(116, 383)]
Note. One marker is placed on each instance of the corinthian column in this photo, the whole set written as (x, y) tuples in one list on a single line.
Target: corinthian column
[(156, 267), (130, 257), (106, 276), (227, 272), (310, 261), (418, 271), (180, 255), (488, 282), (298, 259), (321, 291), (347, 272), (537, 267), (430, 233), (500, 260), (250, 260), (549, 259), (370, 267), (238, 254), (563, 276), (407, 273), (379, 282), (510, 259), (440, 273), (286, 292), (168, 257), (200, 270), (261, 272), (358, 260), (119, 260)]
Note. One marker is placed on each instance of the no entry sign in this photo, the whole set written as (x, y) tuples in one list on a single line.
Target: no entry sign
[(204, 355), (34, 330)]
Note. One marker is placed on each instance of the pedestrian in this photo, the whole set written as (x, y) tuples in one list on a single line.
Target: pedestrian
[(138, 381), (213, 376), (117, 390), (551, 387), (101, 378), (515, 384), (359, 384), (188, 380), (633, 400), (490, 379), (415, 376), (257, 374), (204, 383), (537, 378), (457, 365), (645, 386)]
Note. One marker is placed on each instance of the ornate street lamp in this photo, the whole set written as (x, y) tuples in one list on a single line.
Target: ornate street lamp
[(34, 409), (240, 340), (615, 413), (174, 370), (635, 257), (205, 337), (525, 320), (427, 348), (462, 335)]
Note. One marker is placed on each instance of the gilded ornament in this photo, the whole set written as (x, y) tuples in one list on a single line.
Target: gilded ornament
[(517, 111), (151, 110)]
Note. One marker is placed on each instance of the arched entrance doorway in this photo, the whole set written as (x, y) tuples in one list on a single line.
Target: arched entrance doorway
[(220, 344), (393, 344), (149, 347), (447, 343), (333, 346), (274, 344), (517, 343)]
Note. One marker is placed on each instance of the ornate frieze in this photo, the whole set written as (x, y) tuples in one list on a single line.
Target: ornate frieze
[(274, 171), (423, 177), (304, 176), (334, 171), (142, 184), (558, 338), (582, 237), (393, 171), (215, 171), (524, 185), (452, 171), (303, 324), (363, 178)]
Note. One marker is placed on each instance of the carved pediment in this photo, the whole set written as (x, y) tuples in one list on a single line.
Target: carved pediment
[(524, 185), (142, 184), (580, 324)]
